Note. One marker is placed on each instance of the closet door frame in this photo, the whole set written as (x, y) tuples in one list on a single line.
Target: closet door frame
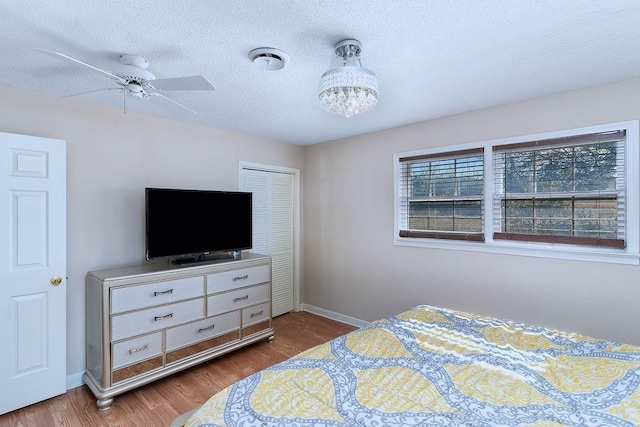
[(296, 216)]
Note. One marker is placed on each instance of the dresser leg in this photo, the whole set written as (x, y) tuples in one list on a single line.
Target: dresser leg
[(271, 338), (104, 404)]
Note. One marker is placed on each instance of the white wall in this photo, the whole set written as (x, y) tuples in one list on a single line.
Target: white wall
[(352, 267), (350, 264), (111, 158)]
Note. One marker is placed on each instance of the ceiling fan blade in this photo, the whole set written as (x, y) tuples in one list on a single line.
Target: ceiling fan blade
[(182, 83), (68, 58), (93, 91), (170, 104)]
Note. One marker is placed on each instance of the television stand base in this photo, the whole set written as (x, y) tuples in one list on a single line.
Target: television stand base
[(207, 257)]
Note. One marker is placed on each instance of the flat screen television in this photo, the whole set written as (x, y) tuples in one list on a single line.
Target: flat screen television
[(188, 225)]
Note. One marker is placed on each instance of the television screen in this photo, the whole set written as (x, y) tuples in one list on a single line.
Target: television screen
[(183, 223)]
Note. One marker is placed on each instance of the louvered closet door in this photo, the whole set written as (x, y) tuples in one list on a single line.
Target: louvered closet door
[(273, 222)]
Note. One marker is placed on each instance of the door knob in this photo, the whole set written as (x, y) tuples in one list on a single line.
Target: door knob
[(56, 280)]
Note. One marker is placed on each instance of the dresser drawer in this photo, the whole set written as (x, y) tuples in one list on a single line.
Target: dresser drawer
[(255, 314), (228, 280), (150, 294), (136, 349), (151, 319), (227, 301), (202, 330)]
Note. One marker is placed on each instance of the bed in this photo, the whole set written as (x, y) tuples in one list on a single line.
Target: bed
[(431, 366)]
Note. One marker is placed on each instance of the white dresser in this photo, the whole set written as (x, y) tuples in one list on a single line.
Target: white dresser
[(149, 321)]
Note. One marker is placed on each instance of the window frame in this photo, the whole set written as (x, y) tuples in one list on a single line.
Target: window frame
[(628, 255), (405, 166)]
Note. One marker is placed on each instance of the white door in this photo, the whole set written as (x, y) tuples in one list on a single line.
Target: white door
[(273, 229), (32, 270)]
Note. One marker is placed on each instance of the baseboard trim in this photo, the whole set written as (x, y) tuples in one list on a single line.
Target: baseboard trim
[(333, 315), (75, 380)]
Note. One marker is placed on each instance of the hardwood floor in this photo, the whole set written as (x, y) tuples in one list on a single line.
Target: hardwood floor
[(158, 403)]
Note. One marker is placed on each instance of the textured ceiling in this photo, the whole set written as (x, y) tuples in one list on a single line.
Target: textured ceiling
[(433, 58)]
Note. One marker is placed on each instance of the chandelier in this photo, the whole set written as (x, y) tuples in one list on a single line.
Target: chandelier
[(349, 89)]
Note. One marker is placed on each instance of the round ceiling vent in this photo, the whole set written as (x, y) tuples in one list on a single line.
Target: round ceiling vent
[(269, 58)]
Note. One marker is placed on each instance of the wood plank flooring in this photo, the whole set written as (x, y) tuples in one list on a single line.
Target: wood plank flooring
[(158, 403)]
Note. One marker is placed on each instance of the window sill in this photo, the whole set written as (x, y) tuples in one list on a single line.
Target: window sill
[(539, 250)]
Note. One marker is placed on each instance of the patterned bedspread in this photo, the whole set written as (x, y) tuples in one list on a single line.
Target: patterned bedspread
[(436, 367)]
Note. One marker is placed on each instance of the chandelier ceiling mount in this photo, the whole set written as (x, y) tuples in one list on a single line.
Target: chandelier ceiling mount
[(349, 89)]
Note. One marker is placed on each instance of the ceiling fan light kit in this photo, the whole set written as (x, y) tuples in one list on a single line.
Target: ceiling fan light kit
[(350, 89)]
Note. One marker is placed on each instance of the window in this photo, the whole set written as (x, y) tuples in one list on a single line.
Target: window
[(572, 194), (564, 190), (443, 195)]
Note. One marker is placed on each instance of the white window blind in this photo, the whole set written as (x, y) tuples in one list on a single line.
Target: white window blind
[(441, 195), (563, 190)]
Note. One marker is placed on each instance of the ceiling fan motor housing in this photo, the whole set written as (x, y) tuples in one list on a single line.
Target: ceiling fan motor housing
[(134, 69)]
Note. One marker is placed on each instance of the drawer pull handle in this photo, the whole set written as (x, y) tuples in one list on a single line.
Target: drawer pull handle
[(207, 328), (135, 350), (241, 298), (245, 277), (170, 291), (166, 316), (259, 313)]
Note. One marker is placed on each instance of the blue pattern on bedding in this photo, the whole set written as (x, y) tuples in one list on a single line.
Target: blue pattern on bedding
[(459, 370)]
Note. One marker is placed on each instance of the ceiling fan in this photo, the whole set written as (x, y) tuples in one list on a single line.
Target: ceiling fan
[(135, 81)]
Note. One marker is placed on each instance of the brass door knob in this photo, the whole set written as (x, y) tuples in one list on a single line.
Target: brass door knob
[(56, 280)]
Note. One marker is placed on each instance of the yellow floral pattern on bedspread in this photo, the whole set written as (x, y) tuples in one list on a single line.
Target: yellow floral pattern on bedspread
[(435, 367)]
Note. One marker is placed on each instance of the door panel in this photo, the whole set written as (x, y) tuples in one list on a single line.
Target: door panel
[(257, 182), (32, 253), (29, 227), (273, 229), (282, 242), (28, 314)]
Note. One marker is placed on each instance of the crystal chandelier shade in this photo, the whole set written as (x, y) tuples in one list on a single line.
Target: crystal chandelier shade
[(350, 89)]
